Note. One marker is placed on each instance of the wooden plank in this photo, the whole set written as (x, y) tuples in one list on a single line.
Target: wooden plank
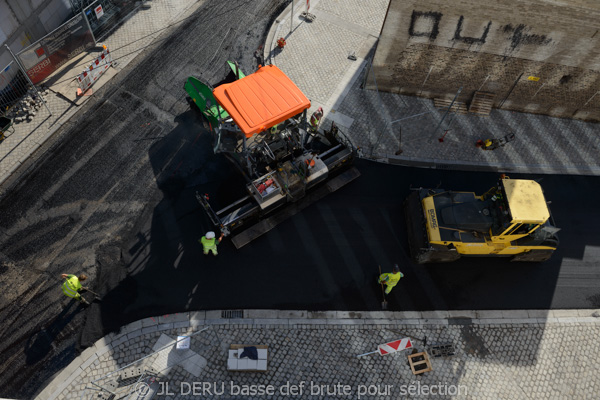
[(482, 103), (458, 106), (417, 360)]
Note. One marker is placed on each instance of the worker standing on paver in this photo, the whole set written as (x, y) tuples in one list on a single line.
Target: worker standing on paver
[(391, 279), (209, 243), (72, 286)]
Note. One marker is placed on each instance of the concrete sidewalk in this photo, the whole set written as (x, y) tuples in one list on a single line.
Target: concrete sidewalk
[(533, 354), (316, 58)]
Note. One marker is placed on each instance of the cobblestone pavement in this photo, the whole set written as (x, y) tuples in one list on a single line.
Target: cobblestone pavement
[(381, 123), (520, 354)]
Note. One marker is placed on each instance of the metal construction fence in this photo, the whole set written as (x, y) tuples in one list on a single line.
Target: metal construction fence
[(104, 15), (13, 86), (92, 20), (52, 51), (19, 99)]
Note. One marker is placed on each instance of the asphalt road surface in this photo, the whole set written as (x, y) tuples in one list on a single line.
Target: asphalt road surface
[(115, 199)]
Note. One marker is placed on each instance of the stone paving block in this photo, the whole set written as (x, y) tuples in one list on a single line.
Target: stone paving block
[(171, 318), (434, 321), (150, 329), (374, 315), (321, 314), (486, 314), (182, 324), (515, 314), (402, 315), (120, 333), (521, 321), (346, 321), (103, 342), (213, 314), (150, 321), (216, 321), (349, 314), (87, 353), (435, 314), (563, 313), (165, 326), (537, 313), (585, 313), (286, 314), (410, 321), (134, 326), (197, 316), (137, 333), (588, 320), (568, 320), (269, 321), (382, 321), (462, 314), (490, 321), (239, 321), (307, 321), (89, 361), (48, 392), (262, 314)]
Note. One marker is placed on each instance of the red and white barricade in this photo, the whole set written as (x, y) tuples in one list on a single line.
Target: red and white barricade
[(395, 346), (87, 78), (391, 347)]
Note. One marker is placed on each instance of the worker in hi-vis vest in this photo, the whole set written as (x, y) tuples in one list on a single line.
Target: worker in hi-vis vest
[(209, 243), (390, 280), (72, 286)]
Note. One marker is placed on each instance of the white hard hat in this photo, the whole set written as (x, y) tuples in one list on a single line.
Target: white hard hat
[(210, 235)]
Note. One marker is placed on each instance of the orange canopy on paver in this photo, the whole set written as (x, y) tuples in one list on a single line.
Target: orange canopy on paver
[(261, 100)]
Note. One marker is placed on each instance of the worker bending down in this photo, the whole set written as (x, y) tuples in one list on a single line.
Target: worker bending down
[(390, 280), (72, 286), (209, 243)]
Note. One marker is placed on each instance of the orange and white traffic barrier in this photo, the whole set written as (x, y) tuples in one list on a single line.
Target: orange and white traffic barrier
[(87, 78), (391, 347)]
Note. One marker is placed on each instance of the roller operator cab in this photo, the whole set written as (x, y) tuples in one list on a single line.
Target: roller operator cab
[(512, 220)]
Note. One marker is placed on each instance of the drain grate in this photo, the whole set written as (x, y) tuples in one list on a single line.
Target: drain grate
[(232, 314)]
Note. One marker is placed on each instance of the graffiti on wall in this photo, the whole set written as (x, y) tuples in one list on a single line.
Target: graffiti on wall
[(470, 40), (520, 35), (427, 24), (430, 19)]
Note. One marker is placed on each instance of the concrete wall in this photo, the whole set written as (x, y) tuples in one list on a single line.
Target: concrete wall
[(22, 22), (433, 47)]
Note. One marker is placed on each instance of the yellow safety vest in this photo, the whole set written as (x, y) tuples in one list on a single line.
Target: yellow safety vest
[(391, 279), (208, 244), (71, 286)]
